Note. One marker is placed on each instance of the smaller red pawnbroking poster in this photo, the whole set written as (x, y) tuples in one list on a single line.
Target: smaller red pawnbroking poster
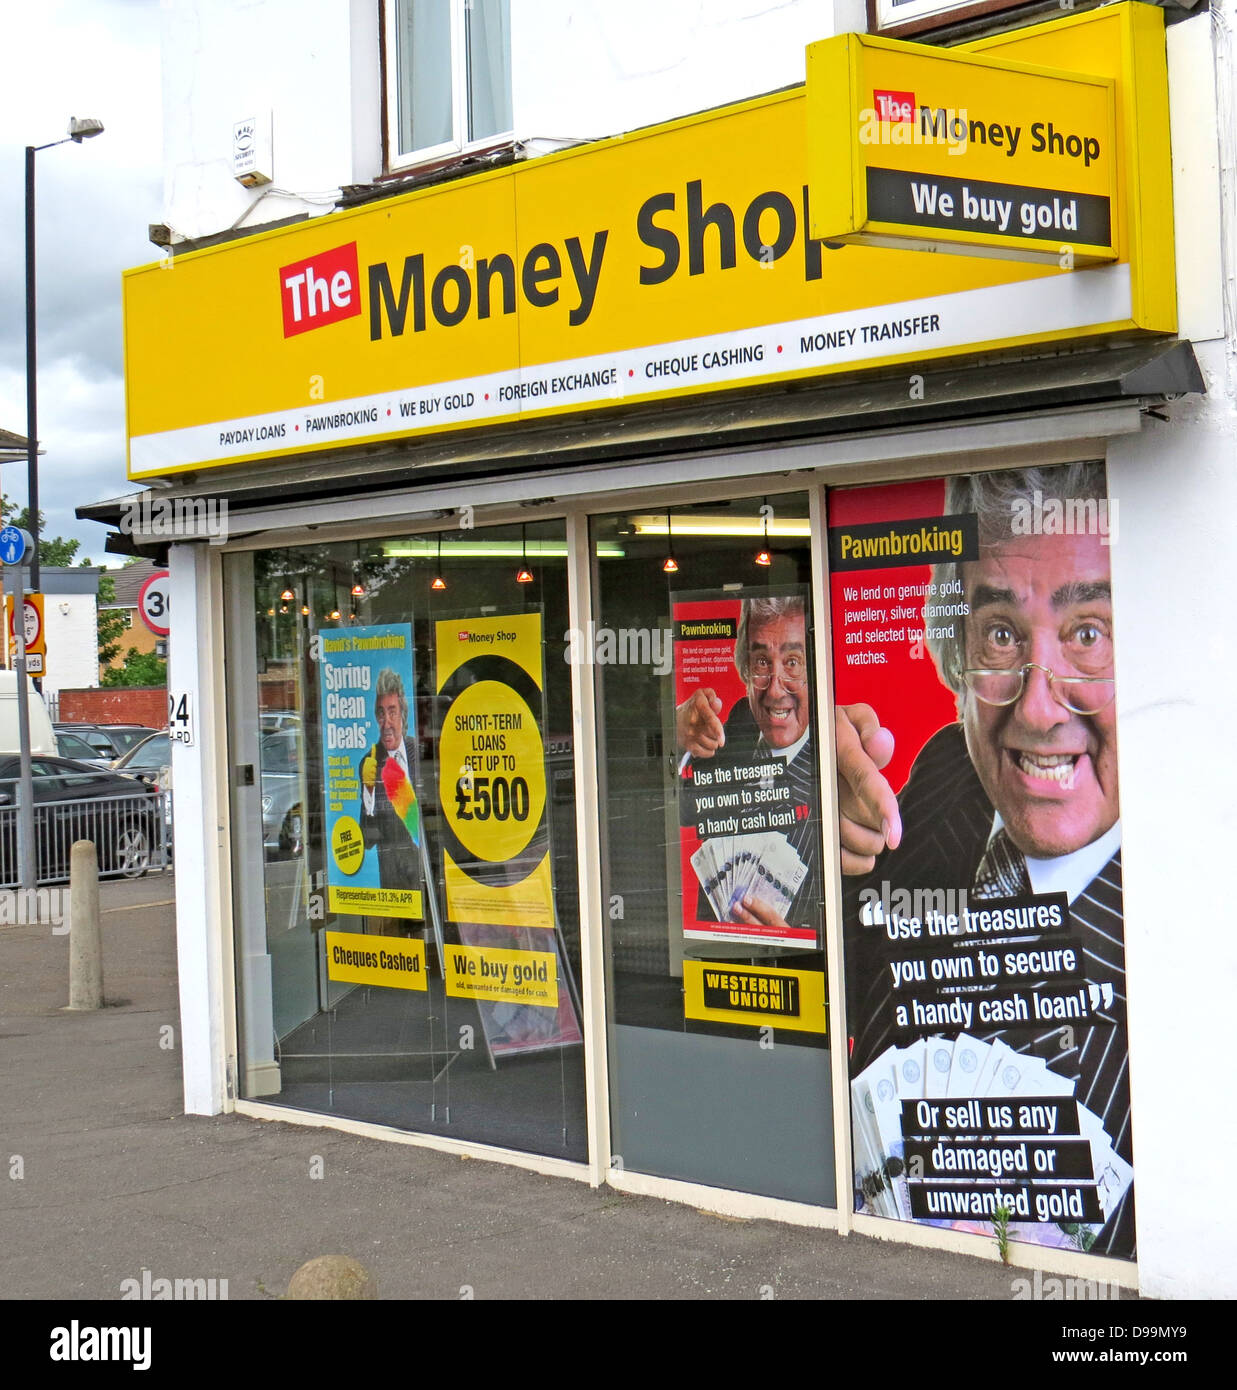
[(750, 839)]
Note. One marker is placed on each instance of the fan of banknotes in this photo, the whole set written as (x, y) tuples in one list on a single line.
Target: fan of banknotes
[(764, 868), (950, 1070)]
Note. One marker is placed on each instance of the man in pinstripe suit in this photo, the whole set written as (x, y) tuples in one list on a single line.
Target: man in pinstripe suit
[(1020, 796), (774, 722)]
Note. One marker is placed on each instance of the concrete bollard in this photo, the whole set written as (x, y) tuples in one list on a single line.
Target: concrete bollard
[(85, 937), (332, 1277)]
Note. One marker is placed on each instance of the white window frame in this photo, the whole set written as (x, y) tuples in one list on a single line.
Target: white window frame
[(459, 96)]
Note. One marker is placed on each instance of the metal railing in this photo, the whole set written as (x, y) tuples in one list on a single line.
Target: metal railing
[(132, 833)]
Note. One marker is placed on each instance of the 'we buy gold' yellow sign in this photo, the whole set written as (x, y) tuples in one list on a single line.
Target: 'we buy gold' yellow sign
[(1045, 144), (933, 148)]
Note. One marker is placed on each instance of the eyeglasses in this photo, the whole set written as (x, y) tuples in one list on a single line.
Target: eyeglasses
[(1079, 694), (793, 673)]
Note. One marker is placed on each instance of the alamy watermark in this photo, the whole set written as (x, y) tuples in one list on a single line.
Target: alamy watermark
[(84, 1342), (177, 518), (1038, 515), (895, 122), (625, 646), (150, 1289), (1052, 1290), (908, 912), (24, 907)]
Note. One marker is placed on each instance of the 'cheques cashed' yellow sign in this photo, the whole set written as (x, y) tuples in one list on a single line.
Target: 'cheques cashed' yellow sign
[(675, 260), (394, 962), (952, 151), (491, 771)]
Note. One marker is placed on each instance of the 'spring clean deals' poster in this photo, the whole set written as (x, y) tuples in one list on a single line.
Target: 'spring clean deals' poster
[(373, 817)]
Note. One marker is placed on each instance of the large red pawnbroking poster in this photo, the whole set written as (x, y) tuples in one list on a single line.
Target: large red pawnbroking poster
[(749, 846), (981, 846)]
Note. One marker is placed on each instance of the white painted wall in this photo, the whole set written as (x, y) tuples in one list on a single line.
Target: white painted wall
[(203, 918), (581, 69), (72, 642), (300, 60), (1176, 485), (1177, 686)]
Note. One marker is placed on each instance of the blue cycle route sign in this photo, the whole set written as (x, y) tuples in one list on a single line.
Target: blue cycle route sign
[(15, 544)]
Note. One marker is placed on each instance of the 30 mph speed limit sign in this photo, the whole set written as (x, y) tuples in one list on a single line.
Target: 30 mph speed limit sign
[(152, 603)]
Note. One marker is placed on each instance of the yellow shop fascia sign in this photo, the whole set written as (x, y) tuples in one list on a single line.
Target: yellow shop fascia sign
[(671, 262), (946, 151)]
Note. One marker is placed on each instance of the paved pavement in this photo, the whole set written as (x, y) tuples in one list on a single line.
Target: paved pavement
[(114, 1179)]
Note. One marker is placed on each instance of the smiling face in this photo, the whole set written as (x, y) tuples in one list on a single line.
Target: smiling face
[(778, 650), (390, 721), (1052, 774)]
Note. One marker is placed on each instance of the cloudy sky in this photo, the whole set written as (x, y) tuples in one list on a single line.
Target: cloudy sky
[(95, 200)]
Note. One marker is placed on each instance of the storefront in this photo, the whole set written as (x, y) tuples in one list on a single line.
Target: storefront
[(657, 689)]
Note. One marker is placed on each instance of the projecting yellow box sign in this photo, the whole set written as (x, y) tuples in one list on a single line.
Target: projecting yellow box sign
[(671, 262), (949, 151)]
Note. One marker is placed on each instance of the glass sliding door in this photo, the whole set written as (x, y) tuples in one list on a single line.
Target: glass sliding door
[(711, 861), (404, 837)]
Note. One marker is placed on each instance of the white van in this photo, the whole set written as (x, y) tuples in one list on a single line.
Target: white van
[(42, 738)]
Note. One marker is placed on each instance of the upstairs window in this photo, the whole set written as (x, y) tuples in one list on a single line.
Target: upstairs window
[(448, 72)]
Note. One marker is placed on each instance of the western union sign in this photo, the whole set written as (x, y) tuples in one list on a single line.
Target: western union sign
[(948, 151), (761, 996), (681, 259)]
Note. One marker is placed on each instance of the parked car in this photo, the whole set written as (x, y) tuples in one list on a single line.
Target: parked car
[(111, 741), (74, 801), (147, 759), (273, 721), (283, 820), (150, 761), (70, 744)]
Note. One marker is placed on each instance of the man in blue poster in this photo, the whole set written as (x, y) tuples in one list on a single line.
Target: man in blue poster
[(390, 816)]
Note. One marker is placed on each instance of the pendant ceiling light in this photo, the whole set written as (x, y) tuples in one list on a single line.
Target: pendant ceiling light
[(762, 555), (670, 565), (524, 575)]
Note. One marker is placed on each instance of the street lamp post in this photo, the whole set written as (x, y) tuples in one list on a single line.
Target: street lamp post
[(80, 128)]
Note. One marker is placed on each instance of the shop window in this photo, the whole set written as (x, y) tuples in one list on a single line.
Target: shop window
[(448, 68), (712, 875), (404, 835)]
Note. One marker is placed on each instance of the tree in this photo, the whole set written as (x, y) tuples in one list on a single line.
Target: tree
[(111, 624), (140, 668), (53, 550), (56, 551)]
